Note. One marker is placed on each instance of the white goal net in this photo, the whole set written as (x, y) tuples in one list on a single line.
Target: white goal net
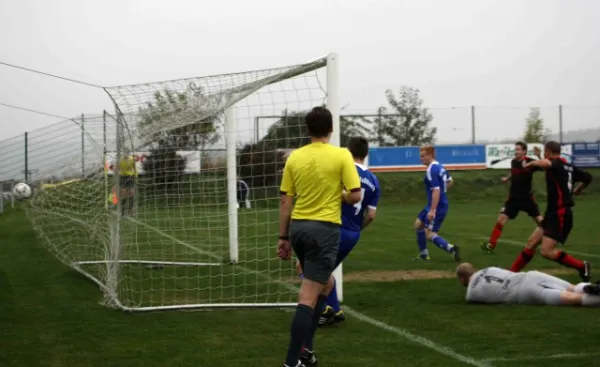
[(181, 209)]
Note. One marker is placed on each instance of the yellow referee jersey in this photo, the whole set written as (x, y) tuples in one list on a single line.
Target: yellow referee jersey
[(127, 166), (316, 174)]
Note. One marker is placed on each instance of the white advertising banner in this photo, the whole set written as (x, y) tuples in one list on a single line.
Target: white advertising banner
[(193, 164), (495, 152)]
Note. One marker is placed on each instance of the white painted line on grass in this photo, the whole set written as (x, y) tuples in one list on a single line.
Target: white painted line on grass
[(364, 318), (522, 244), (418, 339), (536, 357)]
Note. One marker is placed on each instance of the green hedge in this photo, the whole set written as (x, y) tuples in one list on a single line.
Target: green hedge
[(469, 186)]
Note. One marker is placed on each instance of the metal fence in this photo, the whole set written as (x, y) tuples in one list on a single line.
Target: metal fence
[(74, 147), (482, 125)]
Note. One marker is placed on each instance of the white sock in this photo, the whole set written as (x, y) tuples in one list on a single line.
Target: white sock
[(589, 300), (579, 287)]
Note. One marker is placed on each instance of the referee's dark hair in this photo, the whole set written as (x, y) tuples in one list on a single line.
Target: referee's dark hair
[(359, 147), (553, 147), (522, 144), (319, 122)]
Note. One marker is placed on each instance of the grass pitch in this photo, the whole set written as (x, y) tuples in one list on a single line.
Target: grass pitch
[(405, 313)]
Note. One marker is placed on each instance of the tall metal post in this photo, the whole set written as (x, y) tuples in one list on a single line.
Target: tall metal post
[(114, 256), (473, 125), (256, 127), (106, 185), (26, 157), (560, 124), (82, 146)]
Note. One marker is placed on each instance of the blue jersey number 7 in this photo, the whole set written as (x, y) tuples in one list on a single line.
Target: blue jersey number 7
[(358, 205)]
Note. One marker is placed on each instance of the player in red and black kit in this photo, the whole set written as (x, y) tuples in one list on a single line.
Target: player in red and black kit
[(520, 197), (558, 218)]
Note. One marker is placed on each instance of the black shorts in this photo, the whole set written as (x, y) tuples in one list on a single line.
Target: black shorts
[(512, 207), (558, 224), (316, 245), (126, 182)]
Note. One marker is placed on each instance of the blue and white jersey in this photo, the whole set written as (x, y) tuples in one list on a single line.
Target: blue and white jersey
[(353, 215), (436, 178)]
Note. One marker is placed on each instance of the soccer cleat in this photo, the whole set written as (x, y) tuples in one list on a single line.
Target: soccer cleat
[(308, 359), (339, 316), (593, 289), (586, 273), (298, 365), (326, 316), (456, 253), (487, 248), (422, 257)]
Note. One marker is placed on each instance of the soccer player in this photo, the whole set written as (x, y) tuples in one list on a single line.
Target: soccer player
[(558, 218), (520, 197), (494, 285), (127, 174), (355, 218), (430, 219), (316, 176)]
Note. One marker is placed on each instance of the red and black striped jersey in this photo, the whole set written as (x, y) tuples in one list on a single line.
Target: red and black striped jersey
[(560, 177), (521, 179)]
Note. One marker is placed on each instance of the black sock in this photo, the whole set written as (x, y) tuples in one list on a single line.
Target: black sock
[(130, 205), (299, 332), (319, 308)]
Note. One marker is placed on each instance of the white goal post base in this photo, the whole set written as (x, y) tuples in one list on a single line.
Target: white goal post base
[(146, 262)]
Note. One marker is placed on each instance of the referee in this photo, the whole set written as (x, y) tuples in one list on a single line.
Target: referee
[(127, 174), (316, 176)]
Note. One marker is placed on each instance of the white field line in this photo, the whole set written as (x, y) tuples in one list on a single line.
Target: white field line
[(379, 324), (536, 357), (522, 244)]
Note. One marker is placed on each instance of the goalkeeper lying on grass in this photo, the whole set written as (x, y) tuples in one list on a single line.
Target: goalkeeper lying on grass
[(494, 285), (354, 218)]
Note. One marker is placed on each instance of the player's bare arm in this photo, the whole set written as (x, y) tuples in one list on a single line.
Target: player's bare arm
[(583, 178), (541, 163), (369, 217), (284, 249), (435, 199), (351, 197), (506, 178), (350, 180)]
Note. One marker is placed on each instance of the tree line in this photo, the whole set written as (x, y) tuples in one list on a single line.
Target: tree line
[(404, 121)]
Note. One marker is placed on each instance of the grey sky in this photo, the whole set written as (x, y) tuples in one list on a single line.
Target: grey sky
[(458, 53)]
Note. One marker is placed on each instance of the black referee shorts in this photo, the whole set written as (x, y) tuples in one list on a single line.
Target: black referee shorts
[(558, 224), (316, 245), (512, 207), (126, 182)]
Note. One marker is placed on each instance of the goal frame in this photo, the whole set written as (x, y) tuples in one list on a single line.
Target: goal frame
[(114, 260)]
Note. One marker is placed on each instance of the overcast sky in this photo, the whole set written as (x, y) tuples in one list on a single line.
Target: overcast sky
[(487, 53)]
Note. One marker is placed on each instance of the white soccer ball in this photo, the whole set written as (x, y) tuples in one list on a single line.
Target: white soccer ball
[(22, 191)]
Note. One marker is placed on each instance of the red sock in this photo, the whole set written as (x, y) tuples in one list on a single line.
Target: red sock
[(522, 260), (567, 260), (496, 233)]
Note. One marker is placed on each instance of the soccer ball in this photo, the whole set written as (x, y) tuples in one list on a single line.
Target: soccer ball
[(22, 191)]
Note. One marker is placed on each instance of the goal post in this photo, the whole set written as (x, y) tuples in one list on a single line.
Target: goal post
[(176, 238), (232, 179)]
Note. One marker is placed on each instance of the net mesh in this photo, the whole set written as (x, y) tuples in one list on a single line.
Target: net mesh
[(160, 239)]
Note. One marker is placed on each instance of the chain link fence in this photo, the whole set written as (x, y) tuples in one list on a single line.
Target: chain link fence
[(75, 148)]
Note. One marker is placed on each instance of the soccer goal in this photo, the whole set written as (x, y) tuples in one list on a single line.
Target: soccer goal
[(159, 224)]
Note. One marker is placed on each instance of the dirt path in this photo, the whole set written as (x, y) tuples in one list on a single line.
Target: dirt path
[(417, 274)]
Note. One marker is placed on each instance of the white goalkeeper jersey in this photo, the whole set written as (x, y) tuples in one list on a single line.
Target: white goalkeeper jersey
[(494, 285)]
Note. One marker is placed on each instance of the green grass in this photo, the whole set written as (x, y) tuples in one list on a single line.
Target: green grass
[(51, 315)]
